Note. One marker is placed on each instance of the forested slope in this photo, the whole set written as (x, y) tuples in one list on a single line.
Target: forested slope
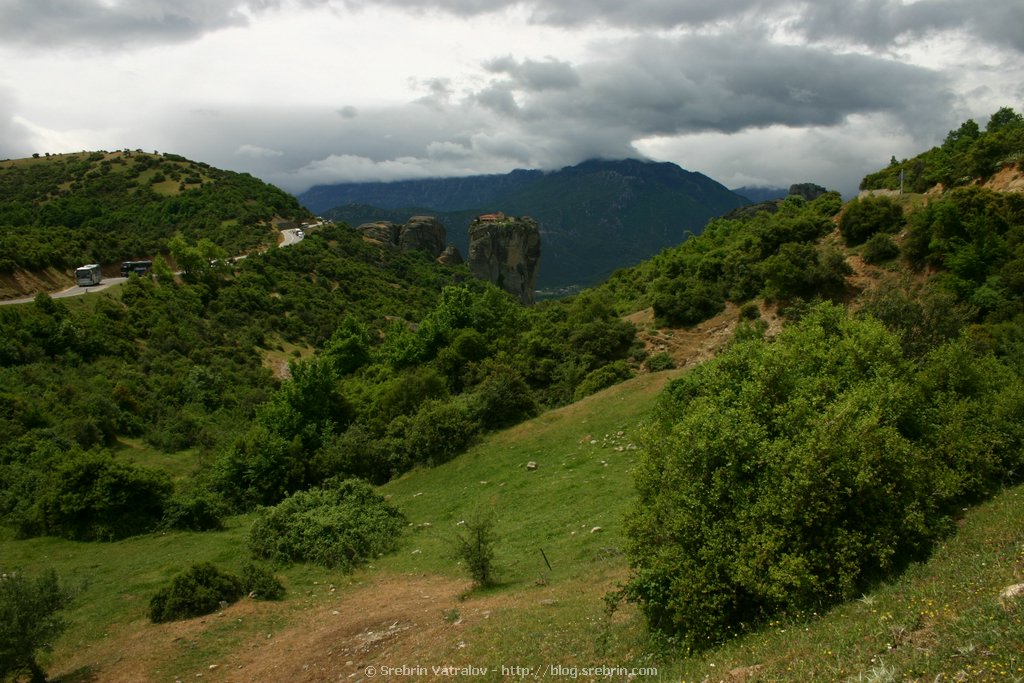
[(104, 207)]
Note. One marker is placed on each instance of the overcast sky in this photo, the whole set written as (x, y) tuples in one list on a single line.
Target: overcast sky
[(300, 92)]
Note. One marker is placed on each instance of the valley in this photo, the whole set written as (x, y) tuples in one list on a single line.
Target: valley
[(786, 448)]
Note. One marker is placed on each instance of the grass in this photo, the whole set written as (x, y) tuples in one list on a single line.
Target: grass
[(179, 465), (584, 455), (940, 620)]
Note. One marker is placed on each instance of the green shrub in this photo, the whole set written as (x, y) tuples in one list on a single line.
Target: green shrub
[(260, 468), (659, 361), (783, 477), (474, 545), (197, 591), (865, 217), (750, 311), (260, 583), (196, 510), (439, 431), (338, 526), (503, 398), (880, 248), (90, 496), (686, 301), (603, 377)]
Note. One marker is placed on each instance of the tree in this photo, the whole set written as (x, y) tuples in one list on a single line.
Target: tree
[(1003, 118), (29, 620), (475, 547)]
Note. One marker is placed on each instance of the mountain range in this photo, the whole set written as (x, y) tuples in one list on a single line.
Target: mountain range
[(595, 217)]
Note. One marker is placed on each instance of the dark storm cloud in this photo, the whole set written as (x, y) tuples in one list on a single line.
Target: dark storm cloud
[(880, 23), (719, 83), (875, 23), (548, 74), (548, 114), (94, 23)]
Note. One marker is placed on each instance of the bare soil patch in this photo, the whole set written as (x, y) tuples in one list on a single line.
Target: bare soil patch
[(388, 620)]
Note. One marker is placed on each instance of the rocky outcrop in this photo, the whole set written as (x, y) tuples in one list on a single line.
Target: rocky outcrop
[(422, 233), (505, 250), (450, 256), (381, 233), (808, 191)]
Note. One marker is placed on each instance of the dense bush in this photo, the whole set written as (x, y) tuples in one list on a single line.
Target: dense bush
[(660, 361), (686, 301), (339, 526), (783, 477), (195, 510), (259, 582), (91, 496), (197, 591), (864, 217), (880, 248), (503, 398), (801, 270), (604, 376)]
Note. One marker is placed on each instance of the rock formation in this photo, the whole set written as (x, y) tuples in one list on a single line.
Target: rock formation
[(505, 250), (423, 233), (808, 191), (450, 256), (381, 233)]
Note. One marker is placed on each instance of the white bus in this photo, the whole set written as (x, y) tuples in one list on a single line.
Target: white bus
[(88, 275)]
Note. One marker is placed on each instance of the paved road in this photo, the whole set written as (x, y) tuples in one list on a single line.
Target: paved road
[(289, 237)]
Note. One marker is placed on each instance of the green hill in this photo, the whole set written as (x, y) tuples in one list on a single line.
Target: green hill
[(64, 210), (967, 154)]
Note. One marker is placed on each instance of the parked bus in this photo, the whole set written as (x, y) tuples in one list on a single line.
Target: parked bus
[(88, 275), (140, 268)]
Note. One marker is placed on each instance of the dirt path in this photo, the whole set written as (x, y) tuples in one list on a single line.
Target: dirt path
[(387, 621), (690, 346)]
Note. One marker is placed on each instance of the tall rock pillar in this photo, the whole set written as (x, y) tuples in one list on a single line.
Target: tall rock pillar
[(505, 250)]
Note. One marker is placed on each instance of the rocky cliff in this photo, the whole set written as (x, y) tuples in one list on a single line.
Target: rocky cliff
[(423, 233), (505, 250)]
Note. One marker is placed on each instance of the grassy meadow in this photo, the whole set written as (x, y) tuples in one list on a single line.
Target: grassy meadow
[(559, 555)]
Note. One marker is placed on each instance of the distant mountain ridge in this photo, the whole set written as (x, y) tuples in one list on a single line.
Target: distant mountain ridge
[(761, 194), (440, 194), (594, 217)]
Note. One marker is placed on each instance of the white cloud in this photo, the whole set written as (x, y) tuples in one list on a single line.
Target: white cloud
[(257, 152)]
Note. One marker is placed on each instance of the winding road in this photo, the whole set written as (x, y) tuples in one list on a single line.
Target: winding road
[(288, 238)]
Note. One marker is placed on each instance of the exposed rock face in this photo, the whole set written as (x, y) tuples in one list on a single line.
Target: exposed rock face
[(450, 256), (423, 233), (808, 191), (505, 250), (381, 233)]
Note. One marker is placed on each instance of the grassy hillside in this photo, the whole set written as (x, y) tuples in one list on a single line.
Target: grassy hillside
[(415, 606)]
